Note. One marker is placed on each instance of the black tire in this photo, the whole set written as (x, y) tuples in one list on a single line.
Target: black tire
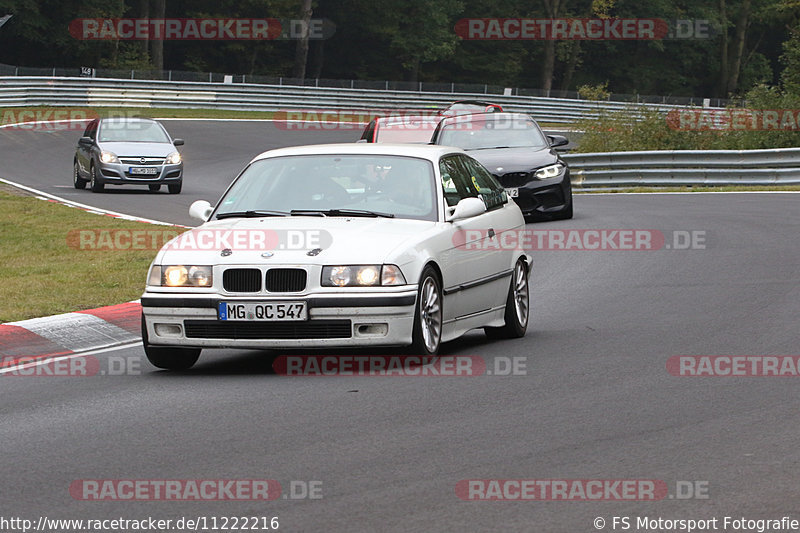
[(516, 325), (95, 183), (154, 187), (77, 181), (175, 189), (168, 357), (427, 331)]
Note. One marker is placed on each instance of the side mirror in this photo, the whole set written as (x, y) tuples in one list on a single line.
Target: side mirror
[(467, 208), (178, 142), (557, 140), (200, 210), (85, 141)]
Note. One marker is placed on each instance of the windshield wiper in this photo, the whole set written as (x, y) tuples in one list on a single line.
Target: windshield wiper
[(341, 213), (251, 214)]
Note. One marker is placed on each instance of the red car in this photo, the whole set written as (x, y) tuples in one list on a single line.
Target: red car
[(401, 129)]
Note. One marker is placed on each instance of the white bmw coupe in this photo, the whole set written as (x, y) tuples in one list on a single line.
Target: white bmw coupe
[(341, 245)]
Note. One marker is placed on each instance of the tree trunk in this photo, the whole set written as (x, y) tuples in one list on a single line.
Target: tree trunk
[(574, 55), (157, 45), (723, 59), (553, 8), (301, 53), (738, 46), (144, 12)]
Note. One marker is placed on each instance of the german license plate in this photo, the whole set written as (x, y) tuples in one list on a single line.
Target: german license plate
[(513, 192), (263, 312), (143, 171)]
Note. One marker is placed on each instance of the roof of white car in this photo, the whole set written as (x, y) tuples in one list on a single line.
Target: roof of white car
[(424, 151)]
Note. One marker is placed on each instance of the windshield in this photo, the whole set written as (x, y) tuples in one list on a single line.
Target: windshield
[(136, 131), (397, 186), (485, 134)]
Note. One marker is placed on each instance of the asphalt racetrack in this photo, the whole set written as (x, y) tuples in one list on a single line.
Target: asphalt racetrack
[(591, 398)]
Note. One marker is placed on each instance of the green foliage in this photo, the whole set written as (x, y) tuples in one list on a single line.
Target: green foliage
[(594, 92)]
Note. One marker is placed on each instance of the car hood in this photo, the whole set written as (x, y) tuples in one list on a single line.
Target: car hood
[(342, 240), (127, 149), (514, 159)]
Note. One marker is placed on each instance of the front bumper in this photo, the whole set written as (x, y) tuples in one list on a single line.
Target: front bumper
[(544, 198), (119, 173), (374, 319)]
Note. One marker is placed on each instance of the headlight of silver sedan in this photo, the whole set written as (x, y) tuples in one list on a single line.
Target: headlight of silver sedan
[(174, 158), (550, 171), (180, 276), (108, 157), (362, 276)]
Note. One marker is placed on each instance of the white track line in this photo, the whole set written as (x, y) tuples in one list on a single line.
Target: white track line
[(87, 207)]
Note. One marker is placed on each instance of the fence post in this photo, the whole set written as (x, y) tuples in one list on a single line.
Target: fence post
[(132, 71), (170, 75)]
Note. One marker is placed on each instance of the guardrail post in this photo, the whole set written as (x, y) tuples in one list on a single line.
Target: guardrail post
[(132, 71), (280, 80), (170, 75), (209, 77), (485, 88), (452, 87), (351, 83), (54, 72), (387, 85)]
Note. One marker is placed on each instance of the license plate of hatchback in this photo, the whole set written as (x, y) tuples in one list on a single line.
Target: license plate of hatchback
[(143, 171), (263, 312), (513, 193)]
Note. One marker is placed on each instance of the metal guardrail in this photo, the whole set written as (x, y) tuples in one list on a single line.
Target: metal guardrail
[(779, 166), (62, 91)]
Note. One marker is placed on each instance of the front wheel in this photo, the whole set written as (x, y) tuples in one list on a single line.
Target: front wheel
[(95, 183), (169, 358), (175, 189), (77, 181), (427, 333), (517, 306)]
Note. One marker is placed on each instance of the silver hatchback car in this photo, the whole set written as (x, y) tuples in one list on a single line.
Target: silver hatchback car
[(127, 151)]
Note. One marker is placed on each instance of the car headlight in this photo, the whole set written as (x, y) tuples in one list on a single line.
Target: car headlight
[(174, 158), (180, 276), (550, 171), (108, 157), (361, 276)]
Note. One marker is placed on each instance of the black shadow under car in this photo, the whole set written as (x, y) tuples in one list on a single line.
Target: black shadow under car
[(513, 147)]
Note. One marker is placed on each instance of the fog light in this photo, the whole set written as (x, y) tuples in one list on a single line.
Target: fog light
[(168, 330), (372, 330)]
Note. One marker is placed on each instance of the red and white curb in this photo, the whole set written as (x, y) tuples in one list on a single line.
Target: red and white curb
[(70, 333)]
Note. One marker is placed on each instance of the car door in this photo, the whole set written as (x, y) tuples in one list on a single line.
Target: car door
[(84, 153), (470, 274), (498, 253)]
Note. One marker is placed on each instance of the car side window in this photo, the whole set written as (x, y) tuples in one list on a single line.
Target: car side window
[(487, 187), (454, 183), (369, 131), (91, 130)]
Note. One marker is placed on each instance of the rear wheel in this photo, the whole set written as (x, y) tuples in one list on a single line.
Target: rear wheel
[(77, 181), (175, 189), (154, 187), (95, 183), (517, 306), (170, 358), (427, 332)]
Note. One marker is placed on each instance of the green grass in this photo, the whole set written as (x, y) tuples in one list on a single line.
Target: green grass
[(722, 188), (44, 274)]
